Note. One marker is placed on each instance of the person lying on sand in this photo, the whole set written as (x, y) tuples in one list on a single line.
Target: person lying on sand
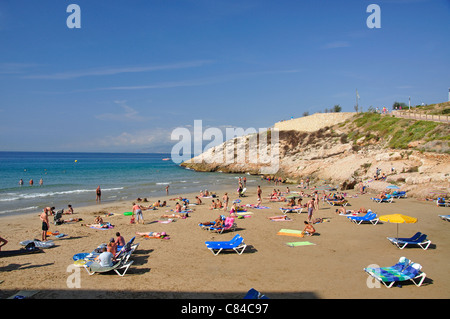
[(275, 218), (179, 215), (343, 211), (70, 220), (106, 225), (161, 235)]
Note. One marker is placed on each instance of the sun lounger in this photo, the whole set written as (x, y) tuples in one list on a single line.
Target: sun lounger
[(228, 224), (399, 194), (418, 239), (236, 243), (441, 202), (369, 217), (388, 199), (445, 217), (120, 267), (390, 275), (402, 263), (297, 210), (94, 267), (254, 294), (341, 202)]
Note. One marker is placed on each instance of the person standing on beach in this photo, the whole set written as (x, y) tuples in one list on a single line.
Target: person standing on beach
[(310, 206), (316, 200), (98, 193), (167, 190), (45, 224), (225, 201), (138, 212), (258, 192)]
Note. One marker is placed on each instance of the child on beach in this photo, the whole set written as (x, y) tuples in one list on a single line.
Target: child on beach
[(120, 241), (308, 230)]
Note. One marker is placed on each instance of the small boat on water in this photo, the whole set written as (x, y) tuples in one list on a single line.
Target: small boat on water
[(166, 159)]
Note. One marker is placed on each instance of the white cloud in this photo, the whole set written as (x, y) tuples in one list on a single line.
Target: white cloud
[(129, 114), (117, 70)]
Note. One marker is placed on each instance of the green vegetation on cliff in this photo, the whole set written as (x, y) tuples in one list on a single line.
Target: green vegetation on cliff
[(400, 133)]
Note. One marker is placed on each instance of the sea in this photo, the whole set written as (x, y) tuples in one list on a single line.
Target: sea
[(72, 178)]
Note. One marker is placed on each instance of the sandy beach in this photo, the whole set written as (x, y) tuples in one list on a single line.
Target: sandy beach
[(182, 266)]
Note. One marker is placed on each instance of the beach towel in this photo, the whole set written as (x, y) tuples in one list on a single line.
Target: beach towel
[(245, 213), (281, 219), (257, 207), (300, 243), (290, 232), (102, 227), (153, 237), (166, 221)]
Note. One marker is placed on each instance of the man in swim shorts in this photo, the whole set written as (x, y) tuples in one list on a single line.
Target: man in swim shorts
[(45, 225)]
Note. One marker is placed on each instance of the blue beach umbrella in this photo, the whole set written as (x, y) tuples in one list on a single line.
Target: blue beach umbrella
[(392, 187)]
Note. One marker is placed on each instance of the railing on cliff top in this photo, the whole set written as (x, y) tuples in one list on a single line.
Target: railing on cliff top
[(419, 116)]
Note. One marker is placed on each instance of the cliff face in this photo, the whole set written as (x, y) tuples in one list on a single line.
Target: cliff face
[(328, 156)]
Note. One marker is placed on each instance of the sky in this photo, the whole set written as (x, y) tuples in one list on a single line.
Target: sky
[(136, 70)]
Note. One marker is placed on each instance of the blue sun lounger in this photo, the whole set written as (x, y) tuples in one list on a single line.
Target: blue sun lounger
[(237, 244), (390, 275), (402, 263), (369, 217), (399, 194), (388, 199), (254, 294), (418, 239)]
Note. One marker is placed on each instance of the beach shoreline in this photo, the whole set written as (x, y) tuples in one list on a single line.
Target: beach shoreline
[(182, 266)]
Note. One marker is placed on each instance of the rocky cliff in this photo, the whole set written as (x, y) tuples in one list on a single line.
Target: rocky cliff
[(347, 153)]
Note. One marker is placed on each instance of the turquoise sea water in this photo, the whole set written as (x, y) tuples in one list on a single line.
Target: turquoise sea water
[(71, 178)]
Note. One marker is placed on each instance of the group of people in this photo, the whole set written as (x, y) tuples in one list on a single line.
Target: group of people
[(276, 180), (31, 182), (108, 254), (44, 217)]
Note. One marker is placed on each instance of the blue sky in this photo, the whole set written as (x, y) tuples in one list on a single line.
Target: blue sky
[(137, 69)]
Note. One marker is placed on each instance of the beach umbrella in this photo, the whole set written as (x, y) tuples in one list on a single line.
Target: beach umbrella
[(392, 187), (398, 219)]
